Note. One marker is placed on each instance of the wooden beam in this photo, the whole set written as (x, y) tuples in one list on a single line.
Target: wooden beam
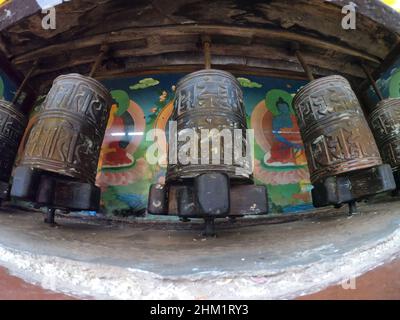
[(182, 30), (260, 52), (184, 63), (376, 11)]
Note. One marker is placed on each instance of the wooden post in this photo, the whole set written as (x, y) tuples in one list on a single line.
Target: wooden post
[(295, 49), (304, 65), (23, 83), (103, 51), (372, 81), (207, 51)]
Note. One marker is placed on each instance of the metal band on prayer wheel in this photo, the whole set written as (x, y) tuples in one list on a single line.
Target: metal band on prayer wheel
[(385, 124), (211, 99), (336, 135), (68, 133), (12, 126)]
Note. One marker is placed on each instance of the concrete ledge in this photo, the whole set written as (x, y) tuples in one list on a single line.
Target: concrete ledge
[(121, 261)]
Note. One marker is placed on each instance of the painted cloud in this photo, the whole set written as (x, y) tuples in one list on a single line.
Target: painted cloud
[(247, 83), (145, 83)]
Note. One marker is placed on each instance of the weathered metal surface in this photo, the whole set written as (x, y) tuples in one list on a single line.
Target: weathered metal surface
[(353, 186), (209, 172), (210, 99), (12, 126), (70, 127), (385, 124), (54, 191), (336, 135), (4, 189), (244, 200)]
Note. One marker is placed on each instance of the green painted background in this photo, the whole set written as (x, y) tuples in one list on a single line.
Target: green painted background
[(125, 176)]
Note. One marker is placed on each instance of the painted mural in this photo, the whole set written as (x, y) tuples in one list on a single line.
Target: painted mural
[(388, 83), (7, 87), (144, 103)]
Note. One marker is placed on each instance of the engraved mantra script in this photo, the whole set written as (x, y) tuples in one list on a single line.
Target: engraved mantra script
[(336, 135), (385, 124), (345, 143), (78, 98), (11, 131), (325, 102), (209, 93), (208, 99), (70, 128)]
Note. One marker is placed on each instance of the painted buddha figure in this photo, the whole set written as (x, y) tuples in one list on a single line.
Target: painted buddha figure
[(286, 144)]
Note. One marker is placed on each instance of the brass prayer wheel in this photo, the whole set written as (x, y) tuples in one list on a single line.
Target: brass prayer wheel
[(214, 179), (69, 130), (211, 99), (12, 127), (385, 124), (336, 135)]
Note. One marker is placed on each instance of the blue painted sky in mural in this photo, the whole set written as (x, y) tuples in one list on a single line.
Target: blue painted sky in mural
[(383, 84), (9, 87)]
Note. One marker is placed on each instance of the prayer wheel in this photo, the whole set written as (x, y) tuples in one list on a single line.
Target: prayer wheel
[(343, 158), (336, 135), (214, 179), (69, 129), (208, 100), (12, 127), (385, 124), (59, 161)]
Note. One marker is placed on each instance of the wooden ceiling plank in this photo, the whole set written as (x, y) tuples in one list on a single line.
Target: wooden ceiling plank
[(145, 32)]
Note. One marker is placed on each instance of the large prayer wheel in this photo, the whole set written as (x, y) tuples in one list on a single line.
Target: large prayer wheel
[(69, 130), (214, 178), (342, 155), (12, 126), (210, 99), (59, 162), (385, 124)]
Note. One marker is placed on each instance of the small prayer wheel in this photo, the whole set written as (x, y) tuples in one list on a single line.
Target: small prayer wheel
[(385, 124), (336, 135), (12, 127)]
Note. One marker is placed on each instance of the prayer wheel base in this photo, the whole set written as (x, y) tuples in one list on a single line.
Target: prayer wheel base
[(46, 189), (4, 191), (208, 196), (353, 186), (396, 175)]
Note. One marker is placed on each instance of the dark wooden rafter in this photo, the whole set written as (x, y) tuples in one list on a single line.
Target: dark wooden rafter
[(249, 45), (158, 35), (151, 39), (375, 10)]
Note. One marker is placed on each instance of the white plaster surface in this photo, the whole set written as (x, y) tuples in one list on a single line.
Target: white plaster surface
[(118, 261)]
